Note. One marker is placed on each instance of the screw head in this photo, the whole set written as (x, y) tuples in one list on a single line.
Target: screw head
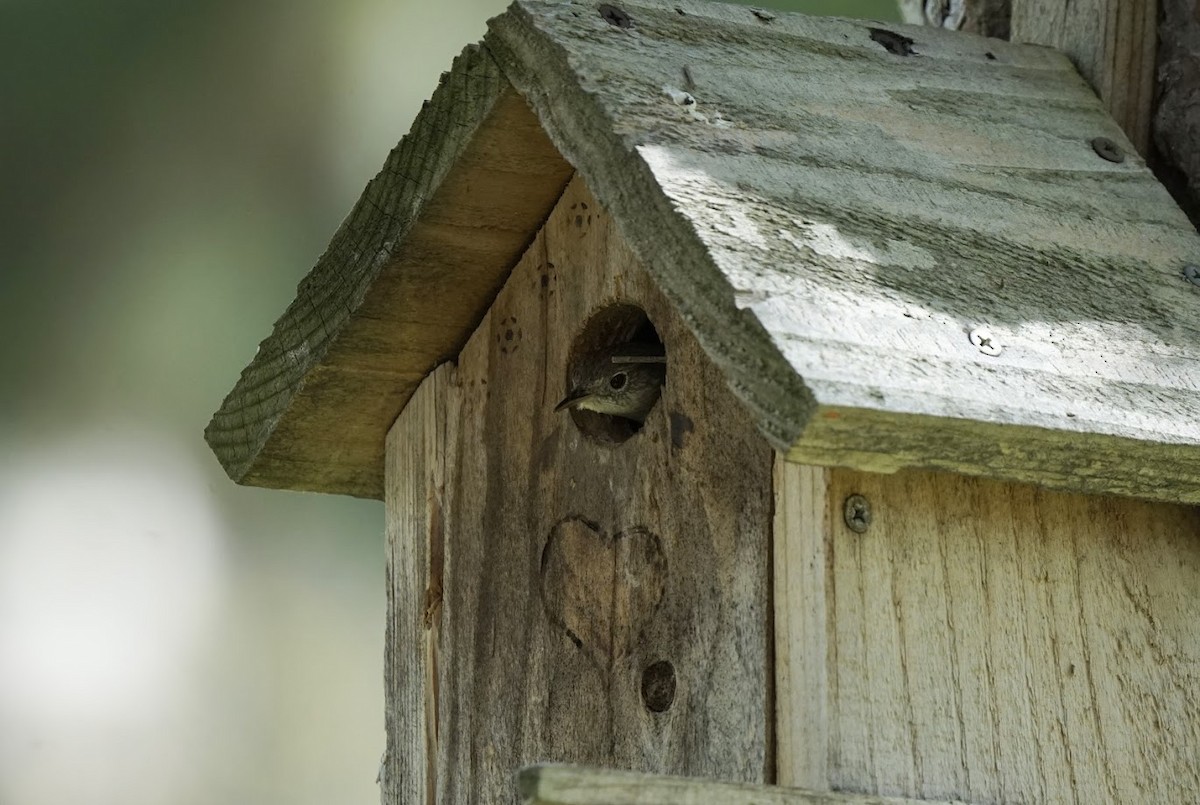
[(985, 342), (1191, 273), (1107, 149), (856, 511)]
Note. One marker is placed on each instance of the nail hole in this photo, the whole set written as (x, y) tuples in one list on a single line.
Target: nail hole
[(658, 686), (893, 42), (610, 326), (615, 16)]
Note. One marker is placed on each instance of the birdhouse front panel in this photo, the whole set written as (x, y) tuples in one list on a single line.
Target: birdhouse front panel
[(604, 587)]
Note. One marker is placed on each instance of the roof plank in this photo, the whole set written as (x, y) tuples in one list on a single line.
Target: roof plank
[(837, 222), (840, 212), (406, 278)]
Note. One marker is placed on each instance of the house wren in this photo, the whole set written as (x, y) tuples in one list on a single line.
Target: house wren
[(623, 380)]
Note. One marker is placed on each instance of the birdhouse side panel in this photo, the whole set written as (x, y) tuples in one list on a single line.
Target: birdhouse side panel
[(993, 642), (416, 468), (605, 599)]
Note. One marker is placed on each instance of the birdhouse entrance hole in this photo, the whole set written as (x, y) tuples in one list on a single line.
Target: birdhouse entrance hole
[(616, 324)]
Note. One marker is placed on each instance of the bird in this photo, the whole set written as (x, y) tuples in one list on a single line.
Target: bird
[(624, 380)]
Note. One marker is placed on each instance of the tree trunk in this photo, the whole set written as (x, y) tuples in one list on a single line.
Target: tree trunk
[(1176, 126)]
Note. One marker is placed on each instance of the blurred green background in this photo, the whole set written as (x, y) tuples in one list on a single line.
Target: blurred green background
[(170, 172)]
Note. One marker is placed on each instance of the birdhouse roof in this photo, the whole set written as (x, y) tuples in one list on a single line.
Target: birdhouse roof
[(902, 247)]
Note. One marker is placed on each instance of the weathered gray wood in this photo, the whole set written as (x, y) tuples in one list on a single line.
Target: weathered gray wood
[(407, 276), (842, 217), (1177, 116), (417, 455), (983, 17), (800, 533), (575, 785), (1001, 643), (573, 566), (1112, 42)]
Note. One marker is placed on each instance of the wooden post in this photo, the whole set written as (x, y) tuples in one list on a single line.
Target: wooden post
[(1112, 42)]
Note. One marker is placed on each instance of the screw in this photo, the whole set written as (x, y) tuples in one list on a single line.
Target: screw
[(1191, 273), (857, 513), (615, 16), (987, 343), (1107, 149)]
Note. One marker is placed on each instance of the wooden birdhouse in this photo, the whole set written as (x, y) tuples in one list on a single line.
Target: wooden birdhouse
[(913, 514)]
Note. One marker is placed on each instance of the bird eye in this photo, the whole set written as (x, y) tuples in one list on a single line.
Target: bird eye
[(617, 381)]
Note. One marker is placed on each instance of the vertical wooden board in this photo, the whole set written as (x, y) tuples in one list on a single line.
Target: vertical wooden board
[(801, 533), (1111, 42), (415, 472), (1002, 643), (573, 566)]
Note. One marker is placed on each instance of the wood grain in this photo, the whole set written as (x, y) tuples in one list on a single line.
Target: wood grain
[(404, 280), (853, 214), (573, 785), (800, 535), (996, 642), (417, 455), (1111, 42), (829, 218), (573, 566)]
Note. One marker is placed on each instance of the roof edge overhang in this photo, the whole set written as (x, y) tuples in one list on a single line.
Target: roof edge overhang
[(415, 266), (405, 279)]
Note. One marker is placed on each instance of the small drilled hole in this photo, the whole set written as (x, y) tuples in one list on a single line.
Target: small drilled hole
[(636, 386), (658, 686)]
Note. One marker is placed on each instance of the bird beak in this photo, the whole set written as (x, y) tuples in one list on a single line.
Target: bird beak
[(575, 396)]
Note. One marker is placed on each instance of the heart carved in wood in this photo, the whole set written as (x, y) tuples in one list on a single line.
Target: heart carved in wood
[(602, 589)]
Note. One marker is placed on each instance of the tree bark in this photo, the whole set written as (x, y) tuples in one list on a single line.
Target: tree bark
[(984, 17), (1177, 117)]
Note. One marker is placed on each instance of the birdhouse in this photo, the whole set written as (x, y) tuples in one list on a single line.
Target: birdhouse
[(911, 510)]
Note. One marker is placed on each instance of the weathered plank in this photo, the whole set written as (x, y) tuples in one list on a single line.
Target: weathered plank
[(800, 532), (833, 219), (416, 470), (573, 785), (1001, 643), (404, 280), (1112, 42), (576, 571)]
